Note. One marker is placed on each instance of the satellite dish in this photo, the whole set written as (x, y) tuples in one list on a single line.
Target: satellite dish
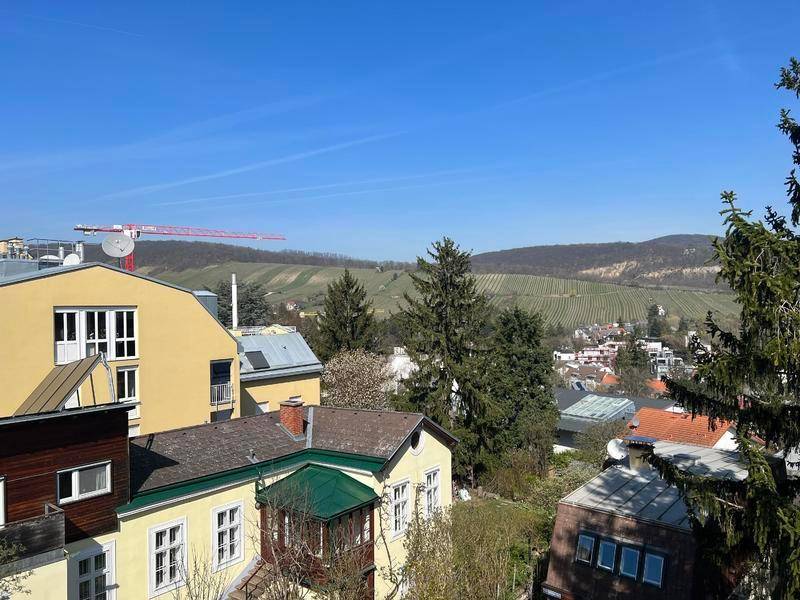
[(117, 245), (71, 260), (635, 422), (617, 449)]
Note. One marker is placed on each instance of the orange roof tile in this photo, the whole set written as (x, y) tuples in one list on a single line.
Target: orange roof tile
[(657, 385), (609, 379), (678, 427)]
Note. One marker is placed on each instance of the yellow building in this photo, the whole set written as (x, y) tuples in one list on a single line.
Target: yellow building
[(275, 367), (198, 496), (169, 355)]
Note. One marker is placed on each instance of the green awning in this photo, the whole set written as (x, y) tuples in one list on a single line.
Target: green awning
[(320, 492)]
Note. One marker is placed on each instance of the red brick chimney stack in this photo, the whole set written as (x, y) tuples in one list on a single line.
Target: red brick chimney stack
[(292, 416)]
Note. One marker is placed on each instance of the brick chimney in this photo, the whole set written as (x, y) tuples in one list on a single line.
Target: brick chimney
[(292, 416)]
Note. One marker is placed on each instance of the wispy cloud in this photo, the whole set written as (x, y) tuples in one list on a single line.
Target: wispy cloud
[(349, 193), (79, 24), (169, 142), (324, 186), (149, 189)]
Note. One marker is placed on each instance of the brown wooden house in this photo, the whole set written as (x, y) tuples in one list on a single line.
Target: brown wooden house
[(62, 476)]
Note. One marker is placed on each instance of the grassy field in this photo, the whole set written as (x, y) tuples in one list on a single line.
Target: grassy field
[(565, 301)]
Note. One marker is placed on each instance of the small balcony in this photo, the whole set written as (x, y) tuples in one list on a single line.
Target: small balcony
[(222, 393), (37, 535)]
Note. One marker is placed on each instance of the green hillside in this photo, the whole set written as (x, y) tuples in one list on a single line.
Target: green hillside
[(566, 301)]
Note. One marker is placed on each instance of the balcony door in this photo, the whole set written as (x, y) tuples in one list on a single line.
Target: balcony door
[(221, 388)]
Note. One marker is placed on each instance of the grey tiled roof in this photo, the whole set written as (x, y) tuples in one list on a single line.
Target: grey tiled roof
[(181, 455), (287, 354)]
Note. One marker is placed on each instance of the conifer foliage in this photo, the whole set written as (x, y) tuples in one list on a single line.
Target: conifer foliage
[(347, 322), (752, 377), (441, 327)]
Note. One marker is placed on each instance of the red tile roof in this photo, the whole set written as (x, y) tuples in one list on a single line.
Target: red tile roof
[(678, 427), (609, 379), (657, 385)]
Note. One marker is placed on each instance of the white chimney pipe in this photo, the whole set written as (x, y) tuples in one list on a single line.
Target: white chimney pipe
[(234, 302)]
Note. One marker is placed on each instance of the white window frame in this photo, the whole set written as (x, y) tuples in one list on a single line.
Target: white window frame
[(109, 549), (128, 369), (239, 505), (404, 515), (2, 501), (660, 582), (592, 538), (82, 340), (84, 328), (151, 557), (125, 338), (76, 495), (638, 551), (613, 556), (65, 344), (134, 430), (438, 500)]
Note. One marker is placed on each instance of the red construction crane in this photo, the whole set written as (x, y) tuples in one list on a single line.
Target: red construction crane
[(134, 231)]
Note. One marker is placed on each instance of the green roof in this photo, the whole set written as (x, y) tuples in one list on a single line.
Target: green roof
[(321, 492)]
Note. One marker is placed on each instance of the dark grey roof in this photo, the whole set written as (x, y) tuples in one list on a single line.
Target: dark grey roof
[(181, 455), (287, 354), (636, 494)]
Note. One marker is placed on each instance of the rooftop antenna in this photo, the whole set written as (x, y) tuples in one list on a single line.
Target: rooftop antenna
[(118, 245), (617, 449)]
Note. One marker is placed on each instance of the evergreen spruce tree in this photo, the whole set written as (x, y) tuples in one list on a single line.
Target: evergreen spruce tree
[(518, 375), (752, 378), (441, 330), (347, 322), (253, 307)]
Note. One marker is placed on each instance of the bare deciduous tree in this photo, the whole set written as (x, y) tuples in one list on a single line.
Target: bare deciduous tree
[(200, 581), (12, 581)]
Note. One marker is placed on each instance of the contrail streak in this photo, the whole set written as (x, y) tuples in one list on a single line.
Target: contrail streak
[(149, 189)]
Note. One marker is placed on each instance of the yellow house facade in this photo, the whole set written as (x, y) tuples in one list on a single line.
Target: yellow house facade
[(194, 499), (168, 354)]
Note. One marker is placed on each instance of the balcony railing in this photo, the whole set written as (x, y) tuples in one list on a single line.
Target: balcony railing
[(36, 535), (221, 393)]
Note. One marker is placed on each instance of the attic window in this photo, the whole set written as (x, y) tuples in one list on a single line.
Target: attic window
[(416, 442), (257, 360)]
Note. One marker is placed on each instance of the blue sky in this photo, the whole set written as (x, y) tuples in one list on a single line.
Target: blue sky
[(373, 128)]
